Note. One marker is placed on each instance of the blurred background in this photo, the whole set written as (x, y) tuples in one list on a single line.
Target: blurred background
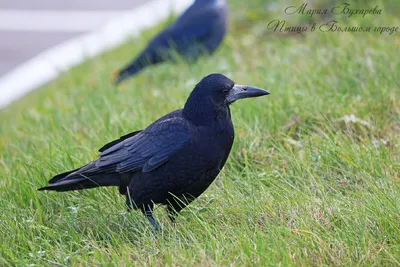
[(30, 27)]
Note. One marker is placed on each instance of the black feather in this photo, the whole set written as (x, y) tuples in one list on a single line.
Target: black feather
[(122, 138)]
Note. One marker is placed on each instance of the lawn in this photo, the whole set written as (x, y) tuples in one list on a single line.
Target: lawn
[(313, 177)]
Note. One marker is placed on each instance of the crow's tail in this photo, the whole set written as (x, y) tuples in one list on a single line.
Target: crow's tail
[(150, 56), (128, 71), (83, 178)]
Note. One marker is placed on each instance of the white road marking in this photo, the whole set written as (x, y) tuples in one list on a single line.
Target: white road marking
[(55, 20), (49, 64)]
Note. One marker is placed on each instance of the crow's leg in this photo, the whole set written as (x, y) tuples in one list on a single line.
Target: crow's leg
[(175, 205), (173, 210), (148, 212), (130, 204)]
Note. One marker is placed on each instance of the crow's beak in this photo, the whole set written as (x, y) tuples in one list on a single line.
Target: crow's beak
[(244, 91)]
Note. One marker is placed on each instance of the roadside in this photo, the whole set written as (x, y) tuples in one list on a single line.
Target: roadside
[(27, 29), (41, 39)]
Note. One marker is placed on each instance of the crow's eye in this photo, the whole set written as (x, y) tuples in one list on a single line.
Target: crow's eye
[(225, 91)]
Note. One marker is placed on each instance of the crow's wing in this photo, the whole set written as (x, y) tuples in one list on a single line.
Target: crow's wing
[(122, 138), (192, 28), (148, 149)]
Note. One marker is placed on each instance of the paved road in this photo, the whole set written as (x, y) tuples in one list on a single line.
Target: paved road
[(29, 27)]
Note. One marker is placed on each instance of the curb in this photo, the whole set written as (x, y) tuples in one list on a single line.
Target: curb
[(49, 64)]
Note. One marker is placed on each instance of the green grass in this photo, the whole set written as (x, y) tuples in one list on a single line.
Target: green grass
[(301, 186)]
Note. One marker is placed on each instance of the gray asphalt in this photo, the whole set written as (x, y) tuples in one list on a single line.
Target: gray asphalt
[(19, 46), (70, 4)]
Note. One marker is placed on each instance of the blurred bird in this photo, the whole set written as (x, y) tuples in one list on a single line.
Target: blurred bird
[(199, 30), (173, 160)]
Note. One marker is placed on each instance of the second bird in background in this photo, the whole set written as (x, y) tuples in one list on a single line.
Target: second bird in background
[(199, 30)]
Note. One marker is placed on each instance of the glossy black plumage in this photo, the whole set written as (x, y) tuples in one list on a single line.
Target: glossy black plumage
[(175, 158), (199, 30)]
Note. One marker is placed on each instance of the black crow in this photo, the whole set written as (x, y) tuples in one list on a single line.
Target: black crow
[(199, 30), (174, 159)]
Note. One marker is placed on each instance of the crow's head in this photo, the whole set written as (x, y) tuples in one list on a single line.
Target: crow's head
[(221, 90), (213, 95)]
